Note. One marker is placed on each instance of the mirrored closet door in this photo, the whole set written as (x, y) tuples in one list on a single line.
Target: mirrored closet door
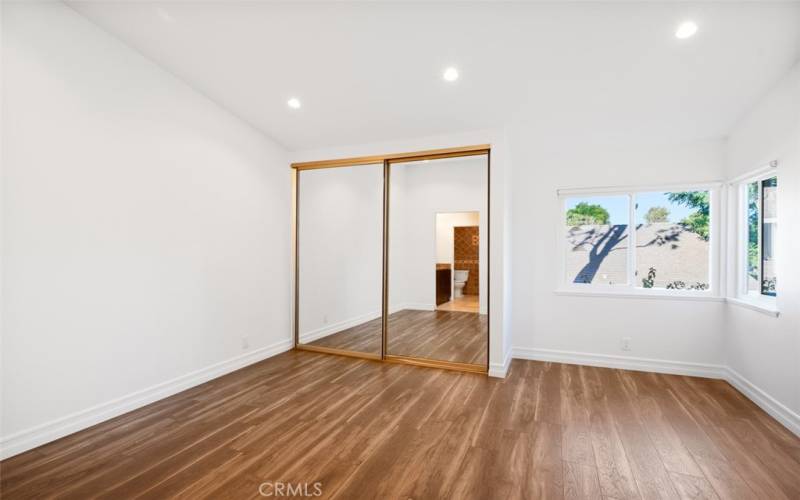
[(392, 257), (438, 266), (339, 259)]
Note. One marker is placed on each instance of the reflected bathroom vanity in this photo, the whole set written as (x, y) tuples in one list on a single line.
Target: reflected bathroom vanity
[(444, 278)]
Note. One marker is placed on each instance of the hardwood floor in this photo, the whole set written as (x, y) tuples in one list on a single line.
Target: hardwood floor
[(365, 429), (440, 335), (466, 303), (365, 337)]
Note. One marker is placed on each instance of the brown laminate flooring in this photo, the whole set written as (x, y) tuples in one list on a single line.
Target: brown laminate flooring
[(466, 303), (365, 429), (441, 335)]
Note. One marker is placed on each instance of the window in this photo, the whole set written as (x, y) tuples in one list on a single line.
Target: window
[(597, 240), (638, 240), (672, 240), (760, 223)]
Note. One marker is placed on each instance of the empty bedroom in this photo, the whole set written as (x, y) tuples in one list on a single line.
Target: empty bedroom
[(400, 250)]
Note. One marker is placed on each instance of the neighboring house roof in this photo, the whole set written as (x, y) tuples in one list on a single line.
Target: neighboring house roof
[(598, 254)]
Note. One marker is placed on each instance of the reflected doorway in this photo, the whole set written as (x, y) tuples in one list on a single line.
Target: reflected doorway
[(458, 262)]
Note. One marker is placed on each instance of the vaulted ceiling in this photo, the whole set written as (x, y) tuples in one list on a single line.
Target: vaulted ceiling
[(370, 72)]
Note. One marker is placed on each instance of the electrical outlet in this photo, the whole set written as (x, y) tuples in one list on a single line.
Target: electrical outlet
[(245, 343), (625, 343), (325, 319)]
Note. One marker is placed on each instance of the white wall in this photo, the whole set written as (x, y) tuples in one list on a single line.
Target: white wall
[(146, 241), (764, 350), (547, 325), (422, 190), (499, 309), (341, 248)]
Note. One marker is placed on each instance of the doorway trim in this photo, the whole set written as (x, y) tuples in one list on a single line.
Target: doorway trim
[(480, 234), (429, 154)]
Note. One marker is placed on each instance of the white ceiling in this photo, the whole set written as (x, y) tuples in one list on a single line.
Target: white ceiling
[(372, 72)]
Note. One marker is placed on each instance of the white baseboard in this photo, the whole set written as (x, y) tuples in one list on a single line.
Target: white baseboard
[(500, 370), (326, 330), (58, 428), (308, 337), (622, 362), (772, 406)]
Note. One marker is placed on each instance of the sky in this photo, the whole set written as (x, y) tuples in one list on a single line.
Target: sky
[(617, 206)]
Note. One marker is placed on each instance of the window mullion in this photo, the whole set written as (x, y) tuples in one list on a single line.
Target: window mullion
[(633, 279), (760, 191), (744, 239)]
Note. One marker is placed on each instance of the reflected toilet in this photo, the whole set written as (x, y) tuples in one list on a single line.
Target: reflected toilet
[(459, 281)]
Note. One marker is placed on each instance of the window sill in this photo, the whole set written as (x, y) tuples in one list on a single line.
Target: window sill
[(765, 307), (640, 294)]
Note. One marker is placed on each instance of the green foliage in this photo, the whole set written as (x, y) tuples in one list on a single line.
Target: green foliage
[(681, 285), (656, 214), (649, 282), (692, 199), (651, 278), (752, 259), (584, 213), (752, 229), (697, 221)]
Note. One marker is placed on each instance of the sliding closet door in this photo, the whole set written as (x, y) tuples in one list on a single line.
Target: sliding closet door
[(340, 259), (438, 248)]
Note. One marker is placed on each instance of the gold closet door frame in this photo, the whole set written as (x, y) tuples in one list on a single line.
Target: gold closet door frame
[(387, 160), (296, 264)]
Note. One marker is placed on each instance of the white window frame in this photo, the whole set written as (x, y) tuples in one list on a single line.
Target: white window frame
[(566, 287), (741, 295)]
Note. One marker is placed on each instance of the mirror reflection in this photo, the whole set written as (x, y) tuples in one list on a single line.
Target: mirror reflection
[(437, 254), (340, 258)]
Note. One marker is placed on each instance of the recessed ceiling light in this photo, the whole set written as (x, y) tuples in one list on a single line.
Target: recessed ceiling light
[(293, 103), (686, 29), (450, 74)]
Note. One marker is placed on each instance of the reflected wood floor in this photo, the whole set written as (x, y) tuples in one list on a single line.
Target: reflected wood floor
[(441, 335), (466, 303), (377, 430)]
